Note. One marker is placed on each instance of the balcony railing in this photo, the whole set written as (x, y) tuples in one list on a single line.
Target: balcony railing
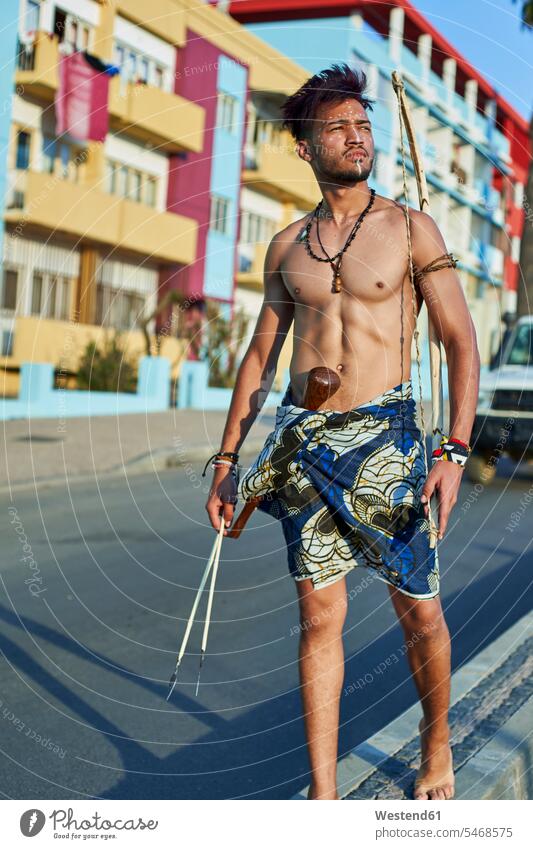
[(25, 55), (500, 144)]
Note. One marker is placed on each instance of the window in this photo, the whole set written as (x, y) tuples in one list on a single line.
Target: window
[(7, 343), (131, 65), (49, 154), (9, 289), (62, 158), (226, 111), (137, 67), (219, 220), (60, 20), (110, 177), (118, 308), (64, 307), (521, 354), (36, 294), (150, 191), (143, 69), (119, 55), (255, 228), (122, 183), (266, 132), (71, 32), (31, 23), (84, 37), (136, 182), (23, 150), (50, 296), (128, 182)]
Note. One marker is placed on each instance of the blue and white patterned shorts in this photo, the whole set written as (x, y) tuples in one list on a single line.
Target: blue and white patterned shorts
[(346, 487)]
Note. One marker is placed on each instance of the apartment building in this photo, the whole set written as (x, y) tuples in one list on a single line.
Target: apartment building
[(184, 191), (195, 174), (474, 144), (87, 231)]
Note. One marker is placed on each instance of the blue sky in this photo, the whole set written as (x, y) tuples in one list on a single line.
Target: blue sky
[(488, 34)]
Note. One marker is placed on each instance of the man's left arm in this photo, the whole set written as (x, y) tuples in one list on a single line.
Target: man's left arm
[(448, 311)]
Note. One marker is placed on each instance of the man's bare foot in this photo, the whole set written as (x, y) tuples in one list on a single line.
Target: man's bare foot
[(326, 794), (435, 778)]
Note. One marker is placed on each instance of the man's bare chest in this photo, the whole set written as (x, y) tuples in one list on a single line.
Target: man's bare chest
[(373, 268)]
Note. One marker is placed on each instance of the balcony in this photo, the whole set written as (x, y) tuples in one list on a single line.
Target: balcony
[(36, 71), (252, 278), (440, 90), (461, 107), (412, 66), (494, 260), (150, 114), (500, 145), (166, 120), (495, 206), (54, 205), (478, 129), (282, 175)]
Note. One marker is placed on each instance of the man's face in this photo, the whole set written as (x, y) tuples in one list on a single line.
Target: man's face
[(341, 148)]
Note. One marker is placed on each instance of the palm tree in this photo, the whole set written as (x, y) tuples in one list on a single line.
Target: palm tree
[(525, 283)]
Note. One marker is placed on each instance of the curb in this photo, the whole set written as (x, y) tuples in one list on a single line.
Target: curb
[(500, 767), (503, 768), (152, 461)]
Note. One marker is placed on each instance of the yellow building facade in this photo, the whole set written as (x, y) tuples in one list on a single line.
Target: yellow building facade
[(88, 232)]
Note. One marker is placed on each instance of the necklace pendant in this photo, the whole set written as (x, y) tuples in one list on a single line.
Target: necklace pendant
[(337, 283)]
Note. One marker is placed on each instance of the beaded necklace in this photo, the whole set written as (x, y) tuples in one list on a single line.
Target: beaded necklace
[(334, 261)]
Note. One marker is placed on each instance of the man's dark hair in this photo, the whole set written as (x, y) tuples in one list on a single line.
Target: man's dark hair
[(332, 85)]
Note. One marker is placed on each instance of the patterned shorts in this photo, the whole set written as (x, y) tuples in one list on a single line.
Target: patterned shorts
[(346, 487)]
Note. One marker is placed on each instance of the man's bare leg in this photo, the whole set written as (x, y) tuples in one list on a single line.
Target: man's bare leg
[(429, 655), (321, 662)]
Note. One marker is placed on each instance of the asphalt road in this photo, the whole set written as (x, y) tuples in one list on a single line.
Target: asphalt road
[(97, 584)]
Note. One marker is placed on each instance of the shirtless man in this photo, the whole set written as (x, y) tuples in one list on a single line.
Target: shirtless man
[(356, 332)]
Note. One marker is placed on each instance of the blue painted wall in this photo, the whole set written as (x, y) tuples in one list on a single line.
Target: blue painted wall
[(38, 399), (225, 181), (9, 14)]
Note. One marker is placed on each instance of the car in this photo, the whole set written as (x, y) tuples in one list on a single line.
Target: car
[(504, 414)]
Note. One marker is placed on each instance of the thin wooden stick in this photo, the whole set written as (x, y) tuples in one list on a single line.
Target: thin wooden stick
[(435, 357), (214, 551), (209, 607)]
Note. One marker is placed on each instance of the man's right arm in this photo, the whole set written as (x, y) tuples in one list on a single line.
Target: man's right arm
[(255, 376)]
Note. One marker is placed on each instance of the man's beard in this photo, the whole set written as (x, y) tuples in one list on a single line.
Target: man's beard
[(347, 175)]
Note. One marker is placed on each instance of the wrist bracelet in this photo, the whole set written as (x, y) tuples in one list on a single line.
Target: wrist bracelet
[(232, 467), (452, 450), (232, 455), (218, 464)]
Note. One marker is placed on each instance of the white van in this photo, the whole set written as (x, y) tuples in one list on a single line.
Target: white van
[(504, 415)]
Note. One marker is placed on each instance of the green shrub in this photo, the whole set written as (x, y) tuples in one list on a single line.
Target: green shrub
[(106, 368)]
